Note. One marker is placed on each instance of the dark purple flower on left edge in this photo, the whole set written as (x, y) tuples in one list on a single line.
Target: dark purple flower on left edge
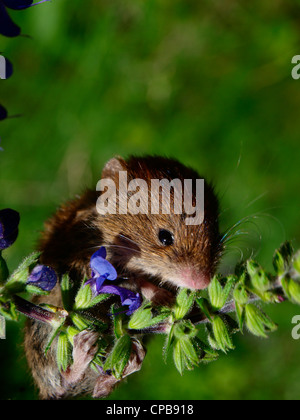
[(7, 26), (101, 270), (3, 113), (9, 227), (43, 277)]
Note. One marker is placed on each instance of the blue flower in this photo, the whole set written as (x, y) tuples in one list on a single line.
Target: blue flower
[(43, 277), (7, 26), (101, 270), (128, 298), (9, 227)]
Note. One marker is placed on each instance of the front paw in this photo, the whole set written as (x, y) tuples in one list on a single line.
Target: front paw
[(106, 382), (84, 350)]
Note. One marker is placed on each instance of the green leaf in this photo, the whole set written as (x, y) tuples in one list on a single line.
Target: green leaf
[(185, 329), (184, 354), (282, 258), (221, 334), (98, 299), (8, 310), (83, 297), (54, 334), (257, 321), (240, 293), (230, 281), (294, 291), (205, 307), (71, 333), (80, 322), (179, 357), (168, 343), (142, 318), (240, 312), (63, 352), (258, 278), (17, 281), (215, 293), (189, 351), (296, 262), (184, 303), (33, 290), (204, 352), (218, 295), (119, 356), (118, 319), (66, 291)]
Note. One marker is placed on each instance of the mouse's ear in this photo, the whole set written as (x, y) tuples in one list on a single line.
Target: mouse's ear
[(113, 167)]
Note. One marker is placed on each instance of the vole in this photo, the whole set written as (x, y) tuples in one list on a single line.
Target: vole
[(153, 253)]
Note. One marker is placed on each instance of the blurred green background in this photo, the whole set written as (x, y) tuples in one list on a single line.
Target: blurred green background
[(208, 82)]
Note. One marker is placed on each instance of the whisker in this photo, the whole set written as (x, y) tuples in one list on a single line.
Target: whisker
[(113, 246), (128, 239), (256, 199)]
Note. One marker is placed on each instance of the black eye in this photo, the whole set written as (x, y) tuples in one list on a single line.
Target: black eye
[(166, 237)]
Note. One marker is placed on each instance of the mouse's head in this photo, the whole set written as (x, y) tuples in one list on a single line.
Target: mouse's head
[(147, 233)]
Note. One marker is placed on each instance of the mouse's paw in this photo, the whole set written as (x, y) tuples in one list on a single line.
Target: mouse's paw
[(84, 350), (136, 359), (157, 295), (106, 381)]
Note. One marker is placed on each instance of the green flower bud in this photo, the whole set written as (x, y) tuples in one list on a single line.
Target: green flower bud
[(218, 294), (257, 321), (185, 329), (184, 303), (259, 279), (282, 258), (240, 293), (296, 262), (294, 290), (221, 335), (215, 293)]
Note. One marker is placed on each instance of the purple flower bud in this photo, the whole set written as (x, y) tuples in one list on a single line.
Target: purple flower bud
[(43, 277), (101, 270), (9, 223), (20, 4), (17, 4), (7, 26)]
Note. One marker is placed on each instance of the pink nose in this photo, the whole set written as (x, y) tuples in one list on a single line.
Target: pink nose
[(191, 279)]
